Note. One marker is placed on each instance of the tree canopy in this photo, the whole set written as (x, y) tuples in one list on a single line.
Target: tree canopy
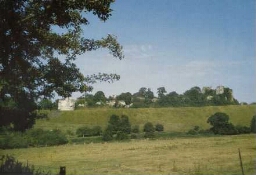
[(31, 47)]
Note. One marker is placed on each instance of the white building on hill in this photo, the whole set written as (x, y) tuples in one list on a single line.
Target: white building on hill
[(66, 104)]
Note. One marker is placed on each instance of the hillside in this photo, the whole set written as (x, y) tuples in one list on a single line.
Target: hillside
[(174, 119)]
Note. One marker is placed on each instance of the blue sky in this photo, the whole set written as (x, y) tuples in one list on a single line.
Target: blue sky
[(177, 44)]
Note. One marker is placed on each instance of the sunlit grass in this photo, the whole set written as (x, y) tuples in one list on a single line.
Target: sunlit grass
[(173, 119), (213, 155)]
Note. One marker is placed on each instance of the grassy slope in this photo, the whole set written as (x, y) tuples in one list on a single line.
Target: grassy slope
[(173, 119)]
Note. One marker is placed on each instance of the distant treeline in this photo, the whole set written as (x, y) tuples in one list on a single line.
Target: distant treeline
[(145, 97)]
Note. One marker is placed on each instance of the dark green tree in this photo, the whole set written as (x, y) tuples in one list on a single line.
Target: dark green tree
[(114, 123), (149, 130), (125, 125), (149, 95), (194, 97), (127, 97), (161, 91), (148, 127), (30, 48), (159, 127), (142, 92), (99, 97), (46, 104), (220, 124)]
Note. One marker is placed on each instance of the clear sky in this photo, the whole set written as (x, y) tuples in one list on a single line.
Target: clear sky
[(177, 44)]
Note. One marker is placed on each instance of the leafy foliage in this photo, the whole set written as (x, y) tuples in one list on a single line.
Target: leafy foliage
[(87, 132), (47, 104), (99, 97), (33, 137), (149, 130), (149, 127), (127, 97), (118, 128), (30, 47), (243, 129), (159, 127), (16, 119), (220, 124), (107, 135)]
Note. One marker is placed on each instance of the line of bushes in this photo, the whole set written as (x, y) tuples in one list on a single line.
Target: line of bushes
[(221, 126), (119, 128), (85, 131), (32, 138)]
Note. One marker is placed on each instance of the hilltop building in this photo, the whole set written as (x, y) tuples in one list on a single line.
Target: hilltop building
[(66, 104), (219, 90)]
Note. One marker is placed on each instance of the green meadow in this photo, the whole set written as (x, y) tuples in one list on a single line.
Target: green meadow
[(166, 155), (196, 156), (174, 119)]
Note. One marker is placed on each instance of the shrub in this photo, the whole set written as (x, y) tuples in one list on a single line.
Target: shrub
[(119, 127), (96, 131), (83, 132), (220, 124), (88, 132), (121, 135), (50, 138), (125, 125), (149, 135), (149, 130), (107, 135), (114, 122), (243, 129), (14, 140), (135, 129), (33, 137), (218, 119), (148, 127), (253, 124), (227, 129), (159, 127)]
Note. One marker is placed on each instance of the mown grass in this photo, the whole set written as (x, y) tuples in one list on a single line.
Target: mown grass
[(205, 155), (173, 119)]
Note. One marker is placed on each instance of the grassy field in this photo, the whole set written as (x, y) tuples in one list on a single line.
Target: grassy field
[(213, 155), (170, 155), (173, 119)]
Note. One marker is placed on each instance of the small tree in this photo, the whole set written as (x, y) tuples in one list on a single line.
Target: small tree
[(253, 124), (83, 132), (114, 123), (118, 128), (220, 124), (149, 130), (149, 127), (159, 127), (107, 135), (125, 125)]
